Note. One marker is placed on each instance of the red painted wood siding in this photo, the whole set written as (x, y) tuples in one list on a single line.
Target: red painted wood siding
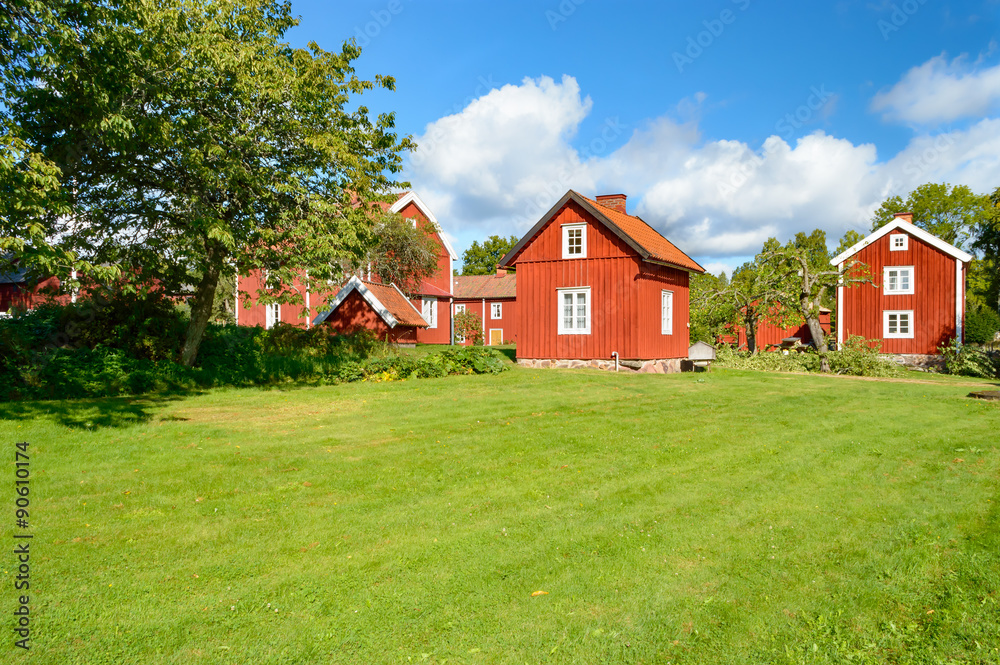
[(441, 279), (932, 301), (23, 296), (256, 315), (507, 322), (625, 297), (355, 314), (771, 334)]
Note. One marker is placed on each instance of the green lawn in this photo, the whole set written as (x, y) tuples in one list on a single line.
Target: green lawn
[(729, 517)]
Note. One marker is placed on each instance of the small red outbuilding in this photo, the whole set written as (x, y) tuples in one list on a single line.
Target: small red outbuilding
[(381, 308)]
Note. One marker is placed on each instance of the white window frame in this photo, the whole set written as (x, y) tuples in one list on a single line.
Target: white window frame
[(666, 312), (429, 310), (902, 246), (575, 291), (496, 310), (898, 313), (886, 290), (459, 309), (582, 228), (272, 315)]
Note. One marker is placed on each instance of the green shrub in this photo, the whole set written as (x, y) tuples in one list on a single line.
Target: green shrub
[(982, 325), (142, 324), (964, 360), (856, 357), (861, 357)]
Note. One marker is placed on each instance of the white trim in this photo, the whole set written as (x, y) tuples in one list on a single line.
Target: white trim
[(459, 311), (489, 337), (959, 329), (411, 197), (496, 310), (840, 305), (562, 329), (429, 304), (566, 229), (916, 231), (355, 284), (895, 238), (667, 304), (908, 313), (272, 315), (911, 279)]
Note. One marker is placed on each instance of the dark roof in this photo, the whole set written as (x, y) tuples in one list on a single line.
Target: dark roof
[(486, 286), (636, 233)]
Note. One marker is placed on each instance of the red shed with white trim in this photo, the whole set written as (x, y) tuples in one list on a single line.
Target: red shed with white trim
[(919, 301)]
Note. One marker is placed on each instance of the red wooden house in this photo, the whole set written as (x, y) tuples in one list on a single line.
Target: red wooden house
[(381, 308), (19, 290), (918, 302), (596, 283), (493, 299), (770, 334), (433, 298)]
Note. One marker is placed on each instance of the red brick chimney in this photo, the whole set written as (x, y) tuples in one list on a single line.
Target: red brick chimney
[(501, 271), (905, 216), (613, 201)]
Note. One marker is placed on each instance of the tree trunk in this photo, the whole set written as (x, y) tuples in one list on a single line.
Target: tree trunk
[(201, 312), (751, 328)]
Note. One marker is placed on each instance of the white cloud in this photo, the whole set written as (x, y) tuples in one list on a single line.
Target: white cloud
[(941, 91), (498, 165)]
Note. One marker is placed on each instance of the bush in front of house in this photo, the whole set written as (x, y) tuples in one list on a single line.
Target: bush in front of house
[(856, 357), (982, 325), (965, 360)]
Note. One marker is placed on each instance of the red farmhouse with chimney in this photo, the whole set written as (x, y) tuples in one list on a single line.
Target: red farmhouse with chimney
[(493, 299), (919, 303), (595, 283)]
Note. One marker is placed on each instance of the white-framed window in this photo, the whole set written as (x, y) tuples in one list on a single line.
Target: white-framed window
[(574, 238), (667, 312), (496, 310), (897, 324), (272, 315), (459, 337), (899, 242), (897, 280), (574, 311), (429, 310)]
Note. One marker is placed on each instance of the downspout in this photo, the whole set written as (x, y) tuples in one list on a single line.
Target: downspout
[(451, 318), (614, 354), (486, 337), (840, 307)]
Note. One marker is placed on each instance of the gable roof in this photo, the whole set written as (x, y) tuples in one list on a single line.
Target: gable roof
[(387, 301), (635, 232), (913, 230), (486, 286), (406, 199)]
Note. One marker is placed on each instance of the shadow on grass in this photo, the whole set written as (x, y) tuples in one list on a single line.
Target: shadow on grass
[(96, 413), (508, 351)]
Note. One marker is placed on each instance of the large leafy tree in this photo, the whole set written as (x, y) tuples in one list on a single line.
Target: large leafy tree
[(483, 259), (949, 212), (404, 253), (984, 277), (808, 281), (189, 140)]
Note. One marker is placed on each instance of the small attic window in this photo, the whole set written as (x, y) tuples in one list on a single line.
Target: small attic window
[(574, 241), (899, 242)]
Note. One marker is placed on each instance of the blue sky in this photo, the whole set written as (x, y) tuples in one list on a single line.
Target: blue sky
[(724, 122)]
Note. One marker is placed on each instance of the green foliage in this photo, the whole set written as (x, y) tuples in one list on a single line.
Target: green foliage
[(965, 360), (405, 254), (982, 325), (204, 140), (850, 239), (857, 357), (950, 213), (143, 324), (483, 259), (709, 316), (398, 367), (469, 327)]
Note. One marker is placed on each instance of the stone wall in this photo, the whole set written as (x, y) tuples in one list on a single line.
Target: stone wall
[(668, 366), (925, 362)]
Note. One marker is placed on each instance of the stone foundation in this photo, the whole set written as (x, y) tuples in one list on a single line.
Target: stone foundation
[(925, 362), (668, 366)]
